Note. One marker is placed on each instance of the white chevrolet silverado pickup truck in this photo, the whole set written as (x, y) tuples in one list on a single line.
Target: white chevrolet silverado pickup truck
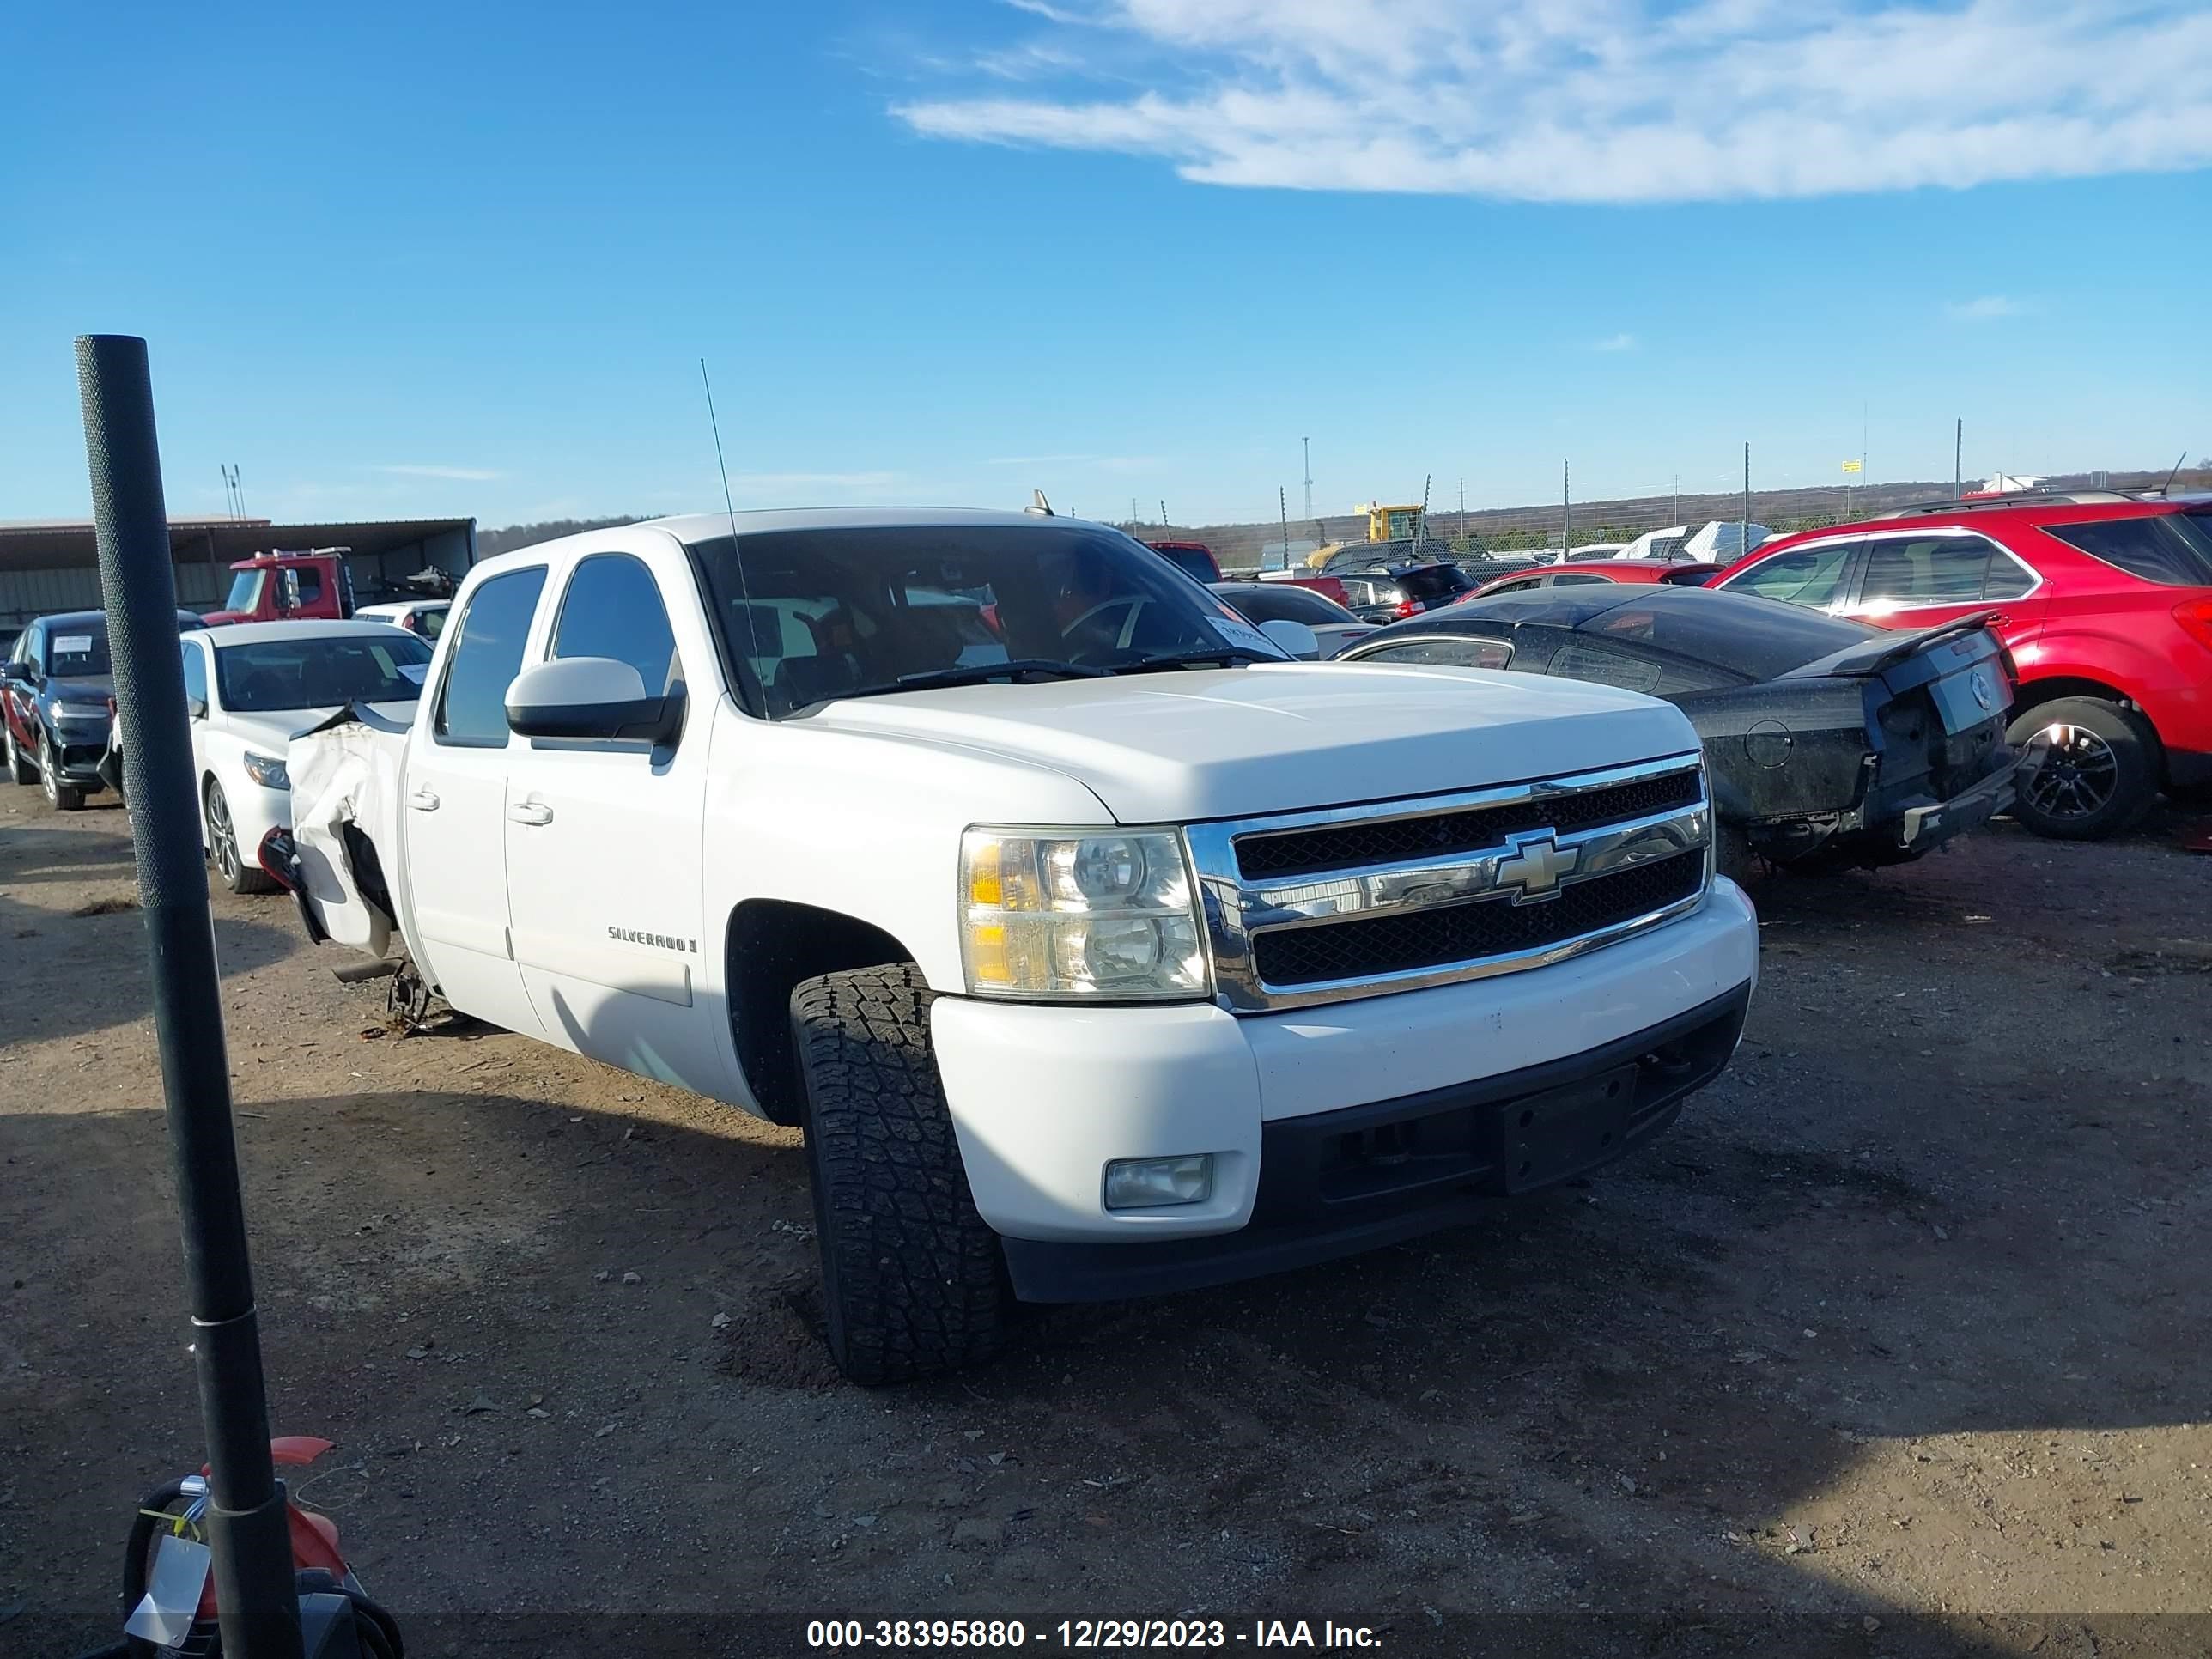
[(1099, 948)]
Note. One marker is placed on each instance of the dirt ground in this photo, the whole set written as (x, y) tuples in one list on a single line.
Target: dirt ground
[(1894, 1344)]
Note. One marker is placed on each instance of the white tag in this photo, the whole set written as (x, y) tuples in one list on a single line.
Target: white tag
[(73, 645), (417, 671), (172, 1594), (1243, 634)]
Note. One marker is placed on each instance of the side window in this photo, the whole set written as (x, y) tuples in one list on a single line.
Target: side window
[(613, 608), (1902, 571), (1521, 586), (309, 581), (485, 659), (1803, 576), (1467, 651), (1577, 579), (2008, 577), (1658, 676), (195, 672)]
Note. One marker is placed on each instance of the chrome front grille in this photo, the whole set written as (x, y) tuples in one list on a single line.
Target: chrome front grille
[(1353, 902)]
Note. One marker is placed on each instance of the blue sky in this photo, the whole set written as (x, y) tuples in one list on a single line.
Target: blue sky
[(428, 258)]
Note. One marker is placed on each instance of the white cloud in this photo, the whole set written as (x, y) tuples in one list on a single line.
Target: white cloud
[(1610, 100), (1614, 343), (1989, 308), (464, 474)]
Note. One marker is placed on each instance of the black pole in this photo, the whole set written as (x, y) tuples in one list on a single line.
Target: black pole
[(244, 1522)]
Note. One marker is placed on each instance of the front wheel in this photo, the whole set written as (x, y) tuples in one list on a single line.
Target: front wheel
[(223, 842), (21, 766), (2099, 775), (61, 796), (913, 1280)]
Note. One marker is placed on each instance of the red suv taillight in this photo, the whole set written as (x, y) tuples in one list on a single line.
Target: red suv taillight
[(2195, 616), (1406, 608)]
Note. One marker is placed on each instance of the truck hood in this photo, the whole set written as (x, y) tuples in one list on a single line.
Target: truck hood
[(1184, 747), (275, 730)]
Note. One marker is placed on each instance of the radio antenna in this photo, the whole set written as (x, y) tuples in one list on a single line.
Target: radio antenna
[(744, 660), (2167, 489)]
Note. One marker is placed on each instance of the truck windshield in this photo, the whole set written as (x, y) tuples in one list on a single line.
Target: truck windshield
[(245, 590), (808, 615), (320, 671)]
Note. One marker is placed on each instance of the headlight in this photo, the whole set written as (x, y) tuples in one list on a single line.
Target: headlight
[(267, 771), (1111, 914), (80, 711)]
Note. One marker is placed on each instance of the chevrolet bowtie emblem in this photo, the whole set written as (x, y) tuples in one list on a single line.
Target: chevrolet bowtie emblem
[(1534, 867)]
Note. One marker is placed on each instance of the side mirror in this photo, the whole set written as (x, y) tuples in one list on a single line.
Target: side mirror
[(196, 707), (15, 674), (592, 697), (1294, 637)]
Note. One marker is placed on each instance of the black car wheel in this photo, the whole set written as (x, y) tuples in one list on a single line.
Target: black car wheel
[(223, 841), (61, 796), (21, 766), (913, 1281), (2099, 775)]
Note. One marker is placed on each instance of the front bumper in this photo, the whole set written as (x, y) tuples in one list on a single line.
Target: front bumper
[(1339, 1182), (1042, 1098)]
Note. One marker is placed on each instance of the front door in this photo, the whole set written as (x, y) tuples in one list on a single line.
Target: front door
[(455, 813), (604, 850)]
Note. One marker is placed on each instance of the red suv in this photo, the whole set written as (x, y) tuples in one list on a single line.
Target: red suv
[(2105, 600)]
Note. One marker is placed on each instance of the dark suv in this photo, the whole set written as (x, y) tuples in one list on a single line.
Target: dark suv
[(55, 693), (1397, 591)]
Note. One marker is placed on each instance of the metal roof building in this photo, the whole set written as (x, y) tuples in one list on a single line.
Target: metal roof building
[(53, 566)]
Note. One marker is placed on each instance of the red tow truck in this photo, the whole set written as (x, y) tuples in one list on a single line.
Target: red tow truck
[(281, 587)]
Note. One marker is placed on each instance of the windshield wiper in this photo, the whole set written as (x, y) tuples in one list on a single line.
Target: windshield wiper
[(979, 674), (1217, 656)]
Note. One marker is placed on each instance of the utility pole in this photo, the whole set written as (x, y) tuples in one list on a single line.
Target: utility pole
[(1135, 516), (1421, 525), (1306, 444), (1283, 506), (1675, 504), (1566, 510), (1957, 451), (1462, 510), (1164, 512), (1743, 534)]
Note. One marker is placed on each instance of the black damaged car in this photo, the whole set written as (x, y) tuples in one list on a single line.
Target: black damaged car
[(1829, 744)]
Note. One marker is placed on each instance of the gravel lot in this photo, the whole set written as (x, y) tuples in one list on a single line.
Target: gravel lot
[(1894, 1346)]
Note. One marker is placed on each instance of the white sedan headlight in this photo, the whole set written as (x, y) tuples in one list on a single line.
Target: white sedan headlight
[(1111, 915), (266, 770)]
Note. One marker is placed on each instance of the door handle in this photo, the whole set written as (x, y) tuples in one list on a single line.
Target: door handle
[(531, 811), (423, 801)]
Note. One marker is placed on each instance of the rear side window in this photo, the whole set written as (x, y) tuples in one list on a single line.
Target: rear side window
[(1804, 576), (1577, 580), (1428, 585), (2174, 549), (1467, 651), (613, 608), (1903, 571), (486, 657), (1582, 659)]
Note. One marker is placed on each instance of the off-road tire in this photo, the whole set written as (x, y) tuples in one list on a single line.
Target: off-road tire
[(2134, 748), (22, 768), (61, 797), (914, 1282)]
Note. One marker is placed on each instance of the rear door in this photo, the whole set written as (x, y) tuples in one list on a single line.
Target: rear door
[(604, 840), (455, 810), (1921, 579)]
